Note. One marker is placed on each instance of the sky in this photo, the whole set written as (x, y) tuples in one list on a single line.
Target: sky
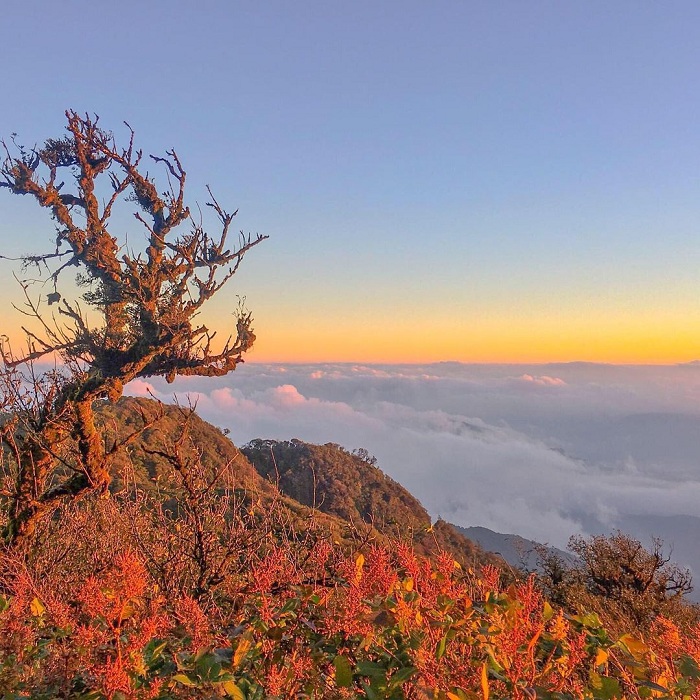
[(451, 181)]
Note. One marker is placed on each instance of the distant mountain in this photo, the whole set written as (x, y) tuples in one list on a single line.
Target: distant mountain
[(517, 551)]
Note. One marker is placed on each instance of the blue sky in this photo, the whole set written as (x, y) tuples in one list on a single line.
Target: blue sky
[(450, 180)]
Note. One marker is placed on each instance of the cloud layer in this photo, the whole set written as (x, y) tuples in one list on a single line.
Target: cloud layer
[(541, 451)]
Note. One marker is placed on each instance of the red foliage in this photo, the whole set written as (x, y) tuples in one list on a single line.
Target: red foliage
[(382, 623)]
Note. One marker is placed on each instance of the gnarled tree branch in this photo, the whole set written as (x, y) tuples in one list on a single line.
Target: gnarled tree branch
[(146, 302)]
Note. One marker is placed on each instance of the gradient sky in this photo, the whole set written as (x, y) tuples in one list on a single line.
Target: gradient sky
[(473, 181)]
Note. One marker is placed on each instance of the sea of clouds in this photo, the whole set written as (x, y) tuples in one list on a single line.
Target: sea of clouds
[(543, 451)]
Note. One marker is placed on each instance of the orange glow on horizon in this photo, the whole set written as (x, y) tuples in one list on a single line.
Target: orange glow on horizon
[(656, 339), (521, 341)]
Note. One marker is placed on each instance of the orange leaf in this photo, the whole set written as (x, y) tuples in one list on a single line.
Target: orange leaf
[(37, 608), (635, 646), (601, 657), (241, 650), (485, 681), (533, 641), (359, 563)]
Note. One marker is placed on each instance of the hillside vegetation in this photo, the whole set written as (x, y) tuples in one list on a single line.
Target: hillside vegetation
[(289, 570), (351, 487)]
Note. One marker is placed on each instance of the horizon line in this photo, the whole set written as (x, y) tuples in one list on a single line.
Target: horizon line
[(543, 363)]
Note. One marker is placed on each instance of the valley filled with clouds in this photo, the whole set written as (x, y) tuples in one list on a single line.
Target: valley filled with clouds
[(543, 451)]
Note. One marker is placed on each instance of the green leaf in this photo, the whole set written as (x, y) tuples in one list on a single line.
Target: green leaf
[(688, 667), (343, 672), (232, 690), (182, 679), (402, 675), (154, 651), (208, 667), (590, 620), (440, 651), (495, 666), (291, 604), (652, 686), (605, 687), (368, 668), (370, 692)]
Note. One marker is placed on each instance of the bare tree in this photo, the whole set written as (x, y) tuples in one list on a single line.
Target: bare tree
[(614, 575), (147, 302), (619, 563)]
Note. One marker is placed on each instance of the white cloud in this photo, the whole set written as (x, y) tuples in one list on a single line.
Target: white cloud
[(544, 452), (544, 380)]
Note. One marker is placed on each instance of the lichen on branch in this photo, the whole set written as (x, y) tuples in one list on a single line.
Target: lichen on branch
[(147, 302)]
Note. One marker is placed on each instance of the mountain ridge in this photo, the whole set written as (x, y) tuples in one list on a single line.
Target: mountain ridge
[(347, 493)]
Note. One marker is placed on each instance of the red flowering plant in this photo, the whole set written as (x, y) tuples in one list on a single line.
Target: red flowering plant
[(310, 620)]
